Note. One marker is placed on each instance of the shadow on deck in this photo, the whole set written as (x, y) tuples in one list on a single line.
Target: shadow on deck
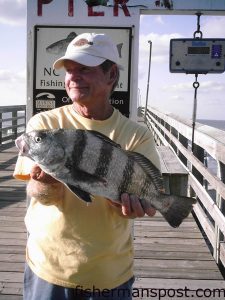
[(169, 263)]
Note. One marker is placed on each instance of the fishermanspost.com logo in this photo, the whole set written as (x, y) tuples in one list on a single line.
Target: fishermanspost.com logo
[(154, 293)]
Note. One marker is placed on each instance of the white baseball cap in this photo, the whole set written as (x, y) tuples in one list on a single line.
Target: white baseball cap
[(90, 49)]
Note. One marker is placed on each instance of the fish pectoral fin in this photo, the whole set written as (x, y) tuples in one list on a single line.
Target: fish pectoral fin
[(80, 193)]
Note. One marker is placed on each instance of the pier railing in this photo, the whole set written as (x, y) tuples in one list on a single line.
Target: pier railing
[(205, 161), (12, 122)]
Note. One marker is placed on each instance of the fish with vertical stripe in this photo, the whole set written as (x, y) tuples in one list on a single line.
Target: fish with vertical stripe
[(90, 164)]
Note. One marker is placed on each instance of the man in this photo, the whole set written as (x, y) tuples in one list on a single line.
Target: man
[(75, 251)]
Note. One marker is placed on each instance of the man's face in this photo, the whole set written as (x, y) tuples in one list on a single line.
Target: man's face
[(86, 85)]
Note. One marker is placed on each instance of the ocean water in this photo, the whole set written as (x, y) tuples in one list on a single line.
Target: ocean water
[(220, 124)]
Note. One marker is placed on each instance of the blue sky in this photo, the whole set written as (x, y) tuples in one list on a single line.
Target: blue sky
[(170, 92)]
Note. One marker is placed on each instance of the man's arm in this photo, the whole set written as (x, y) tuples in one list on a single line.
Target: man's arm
[(47, 189)]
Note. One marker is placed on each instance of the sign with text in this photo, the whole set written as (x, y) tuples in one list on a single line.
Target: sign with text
[(98, 8), (51, 42)]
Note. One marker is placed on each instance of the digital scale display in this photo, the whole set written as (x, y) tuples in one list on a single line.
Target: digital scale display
[(197, 56), (216, 50), (198, 50)]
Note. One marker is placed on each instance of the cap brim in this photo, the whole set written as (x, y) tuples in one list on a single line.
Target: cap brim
[(81, 58), (86, 60)]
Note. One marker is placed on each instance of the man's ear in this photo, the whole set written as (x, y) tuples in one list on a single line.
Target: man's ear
[(113, 74)]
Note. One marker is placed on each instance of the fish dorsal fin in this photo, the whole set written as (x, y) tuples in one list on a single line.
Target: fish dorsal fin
[(71, 35), (104, 138), (150, 169)]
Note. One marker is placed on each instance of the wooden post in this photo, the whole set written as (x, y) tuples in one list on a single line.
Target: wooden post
[(219, 237), (199, 153), (168, 127), (1, 128), (184, 141), (174, 133), (14, 123)]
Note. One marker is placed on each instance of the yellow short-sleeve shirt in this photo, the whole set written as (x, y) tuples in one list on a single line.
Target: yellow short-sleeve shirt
[(72, 244)]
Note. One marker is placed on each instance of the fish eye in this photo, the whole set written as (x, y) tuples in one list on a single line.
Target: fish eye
[(37, 139)]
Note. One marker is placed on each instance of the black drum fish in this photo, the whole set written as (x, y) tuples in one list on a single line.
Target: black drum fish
[(89, 164)]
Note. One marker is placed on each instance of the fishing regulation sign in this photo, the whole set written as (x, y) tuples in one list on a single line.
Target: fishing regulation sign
[(50, 43)]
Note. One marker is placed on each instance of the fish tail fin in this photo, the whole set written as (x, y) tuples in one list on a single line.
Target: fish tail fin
[(179, 208)]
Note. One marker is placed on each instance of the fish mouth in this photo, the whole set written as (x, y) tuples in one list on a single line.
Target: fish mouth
[(22, 146)]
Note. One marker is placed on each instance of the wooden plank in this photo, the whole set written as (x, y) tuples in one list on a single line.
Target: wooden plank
[(12, 197), (177, 234), (168, 241), (8, 207), (178, 283), (11, 276), (13, 229), (13, 249), (162, 230), (176, 264), (9, 257), (11, 292), (208, 203), (182, 273), (222, 253), (10, 242), (10, 223), (176, 255), (205, 223), (6, 173), (10, 297), (159, 221), (160, 246), (13, 204), (13, 235), (170, 162), (174, 173), (10, 218), (12, 266), (15, 213)]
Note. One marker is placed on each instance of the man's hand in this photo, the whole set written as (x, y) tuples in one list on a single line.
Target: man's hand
[(46, 189), (131, 207), (39, 175)]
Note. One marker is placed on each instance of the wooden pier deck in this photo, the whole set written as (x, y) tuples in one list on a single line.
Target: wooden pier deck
[(169, 263)]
